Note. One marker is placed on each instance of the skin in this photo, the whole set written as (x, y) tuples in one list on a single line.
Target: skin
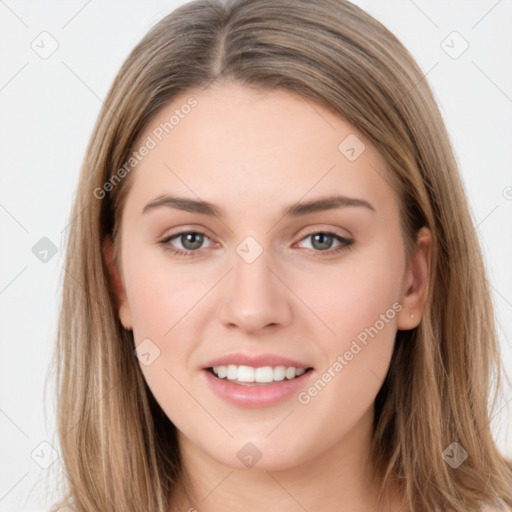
[(252, 154)]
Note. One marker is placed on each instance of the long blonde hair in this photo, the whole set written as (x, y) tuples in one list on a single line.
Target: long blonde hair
[(119, 449)]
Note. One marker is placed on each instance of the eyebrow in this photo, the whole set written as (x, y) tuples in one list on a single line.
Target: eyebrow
[(295, 210)]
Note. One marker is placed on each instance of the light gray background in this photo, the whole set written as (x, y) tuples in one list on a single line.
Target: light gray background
[(48, 108)]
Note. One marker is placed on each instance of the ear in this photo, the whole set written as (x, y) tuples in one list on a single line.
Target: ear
[(117, 284), (416, 282)]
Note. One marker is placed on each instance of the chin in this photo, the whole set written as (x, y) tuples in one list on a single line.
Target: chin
[(258, 454)]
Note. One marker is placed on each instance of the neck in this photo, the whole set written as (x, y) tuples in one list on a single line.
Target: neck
[(335, 480)]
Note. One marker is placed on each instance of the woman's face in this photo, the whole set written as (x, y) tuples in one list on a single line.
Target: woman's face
[(294, 258)]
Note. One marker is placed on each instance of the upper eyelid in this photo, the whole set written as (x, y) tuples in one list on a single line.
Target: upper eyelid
[(341, 238), (317, 227), (168, 238), (328, 231)]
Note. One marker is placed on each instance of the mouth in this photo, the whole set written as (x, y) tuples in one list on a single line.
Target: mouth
[(257, 376)]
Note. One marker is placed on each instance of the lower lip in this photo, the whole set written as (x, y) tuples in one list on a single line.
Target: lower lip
[(255, 395)]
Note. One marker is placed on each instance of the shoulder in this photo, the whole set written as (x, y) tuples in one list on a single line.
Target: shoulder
[(500, 507), (52, 509)]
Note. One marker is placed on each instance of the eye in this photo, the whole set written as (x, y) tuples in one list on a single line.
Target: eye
[(322, 241), (191, 242)]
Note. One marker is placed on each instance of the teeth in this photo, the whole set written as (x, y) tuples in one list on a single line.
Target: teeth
[(264, 374)]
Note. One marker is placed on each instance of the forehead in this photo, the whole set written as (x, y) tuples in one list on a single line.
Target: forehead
[(232, 144)]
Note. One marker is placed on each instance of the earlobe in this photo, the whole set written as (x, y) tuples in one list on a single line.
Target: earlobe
[(117, 284), (416, 282)]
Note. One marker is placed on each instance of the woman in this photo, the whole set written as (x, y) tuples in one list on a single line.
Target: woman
[(274, 294)]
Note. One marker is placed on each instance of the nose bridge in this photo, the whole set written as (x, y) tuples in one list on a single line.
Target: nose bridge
[(254, 297)]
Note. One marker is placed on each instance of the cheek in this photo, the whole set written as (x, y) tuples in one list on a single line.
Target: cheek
[(164, 304), (159, 294), (360, 305), (357, 302), (356, 296), (167, 308)]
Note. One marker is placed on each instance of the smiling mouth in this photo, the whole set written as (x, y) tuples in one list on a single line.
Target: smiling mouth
[(261, 376)]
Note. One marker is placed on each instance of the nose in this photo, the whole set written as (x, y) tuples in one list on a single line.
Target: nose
[(253, 297)]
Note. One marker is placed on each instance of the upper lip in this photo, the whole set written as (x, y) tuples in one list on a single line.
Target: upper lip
[(254, 360)]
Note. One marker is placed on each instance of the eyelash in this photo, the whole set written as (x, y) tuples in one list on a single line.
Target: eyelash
[(345, 243)]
